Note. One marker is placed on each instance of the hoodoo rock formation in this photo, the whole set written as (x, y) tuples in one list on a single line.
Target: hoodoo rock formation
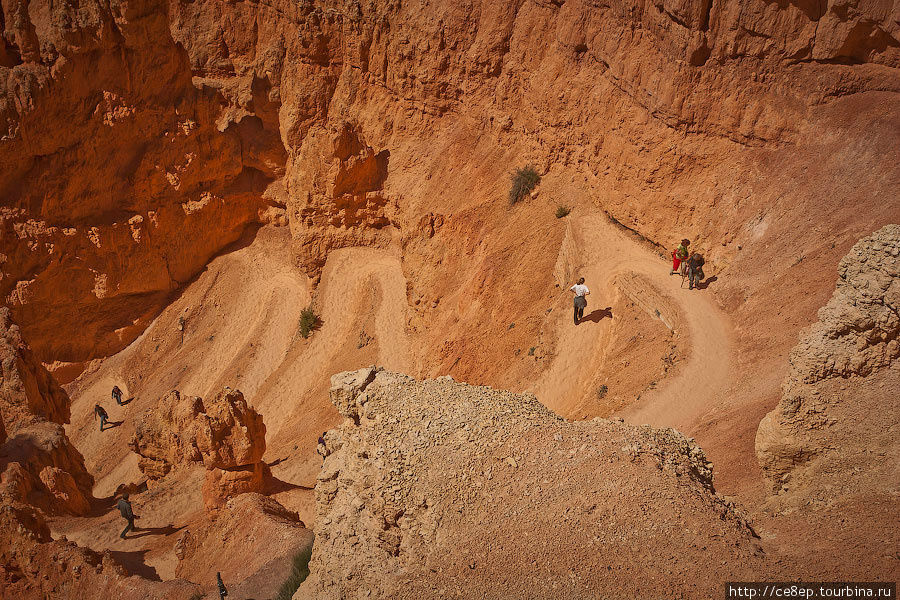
[(827, 434), (224, 434), (435, 489)]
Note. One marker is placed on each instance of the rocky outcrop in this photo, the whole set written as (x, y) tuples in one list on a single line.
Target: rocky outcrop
[(42, 468), (252, 540), (38, 463), (224, 434), (33, 566), (435, 488), (823, 428), (28, 393)]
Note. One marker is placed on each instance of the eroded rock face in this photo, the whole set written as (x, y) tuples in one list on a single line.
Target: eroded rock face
[(142, 137), (435, 488), (822, 425), (27, 391), (41, 467), (111, 152), (224, 434)]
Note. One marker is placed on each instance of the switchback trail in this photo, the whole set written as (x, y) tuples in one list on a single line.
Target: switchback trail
[(608, 258)]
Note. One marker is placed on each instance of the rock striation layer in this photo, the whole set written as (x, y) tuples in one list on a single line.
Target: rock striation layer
[(435, 489)]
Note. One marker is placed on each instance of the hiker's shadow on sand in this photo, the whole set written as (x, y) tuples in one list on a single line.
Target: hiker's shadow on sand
[(275, 485), (598, 315), (111, 425), (124, 402), (145, 531), (705, 283)]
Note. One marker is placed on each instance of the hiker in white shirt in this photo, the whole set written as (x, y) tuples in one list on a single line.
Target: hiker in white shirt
[(580, 290)]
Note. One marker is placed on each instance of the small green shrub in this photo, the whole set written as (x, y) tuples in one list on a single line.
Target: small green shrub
[(523, 181), (601, 392), (531, 351), (309, 321), (299, 573), (562, 211)]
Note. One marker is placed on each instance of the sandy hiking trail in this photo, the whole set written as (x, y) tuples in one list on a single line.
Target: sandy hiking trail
[(237, 325), (613, 262)]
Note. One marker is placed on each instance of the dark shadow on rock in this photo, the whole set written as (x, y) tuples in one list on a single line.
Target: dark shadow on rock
[(705, 283), (134, 563), (598, 315), (276, 486), (277, 461), (164, 531)]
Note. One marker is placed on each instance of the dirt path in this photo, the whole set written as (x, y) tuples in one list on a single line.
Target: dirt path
[(608, 259)]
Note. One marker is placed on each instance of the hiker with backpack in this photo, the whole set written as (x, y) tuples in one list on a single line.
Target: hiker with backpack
[(117, 395), (695, 270), (127, 513), (680, 254), (581, 291), (99, 411)]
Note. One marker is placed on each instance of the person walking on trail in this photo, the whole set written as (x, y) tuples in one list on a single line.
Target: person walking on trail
[(127, 513), (223, 591), (680, 254), (695, 270), (99, 411), (580, 290), (117, 395)]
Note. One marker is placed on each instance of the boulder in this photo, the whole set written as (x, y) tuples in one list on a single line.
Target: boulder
[(43, 468), (223, 433), (222, 484)]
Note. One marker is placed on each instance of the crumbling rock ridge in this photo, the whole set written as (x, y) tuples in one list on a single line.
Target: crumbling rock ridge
[(436, 489), (224, 434), (843, 437), (38, 463), (252, 537), (28, 393)]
